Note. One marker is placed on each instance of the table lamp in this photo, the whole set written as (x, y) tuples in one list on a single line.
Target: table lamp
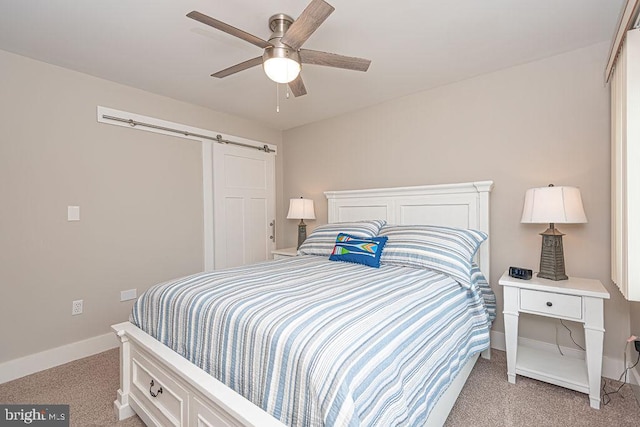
[(301, 209), (553, 205)]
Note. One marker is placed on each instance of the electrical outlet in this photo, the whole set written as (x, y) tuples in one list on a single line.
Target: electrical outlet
[(128, 295), (637, 344), (76, 307)]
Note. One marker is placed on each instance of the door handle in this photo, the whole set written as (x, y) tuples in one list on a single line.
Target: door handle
[(273, 230)]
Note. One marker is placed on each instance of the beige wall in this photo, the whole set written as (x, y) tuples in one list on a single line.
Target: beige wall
[(140, 198), (538, 123)]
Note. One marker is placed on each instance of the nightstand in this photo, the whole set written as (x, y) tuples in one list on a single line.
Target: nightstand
[(578, 300), (284, 253)]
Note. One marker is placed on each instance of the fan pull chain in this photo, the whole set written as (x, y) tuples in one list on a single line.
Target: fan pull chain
[(287, 92), (277, 98)]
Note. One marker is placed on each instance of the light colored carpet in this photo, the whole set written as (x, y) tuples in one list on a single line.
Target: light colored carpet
[(488, 399), (89, 386)]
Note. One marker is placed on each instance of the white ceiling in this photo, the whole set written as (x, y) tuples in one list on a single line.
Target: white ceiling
[(414, 45)]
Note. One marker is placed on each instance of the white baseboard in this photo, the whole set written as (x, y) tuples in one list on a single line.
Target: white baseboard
[(27, 365), (497, 341), (611, 367)]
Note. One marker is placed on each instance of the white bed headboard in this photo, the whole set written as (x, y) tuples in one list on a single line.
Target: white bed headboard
[(464, 205)]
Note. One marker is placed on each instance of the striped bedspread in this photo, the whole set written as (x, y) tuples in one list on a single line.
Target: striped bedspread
[(316, 342)]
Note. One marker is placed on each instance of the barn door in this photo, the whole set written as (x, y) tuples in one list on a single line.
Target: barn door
[(243, 205)]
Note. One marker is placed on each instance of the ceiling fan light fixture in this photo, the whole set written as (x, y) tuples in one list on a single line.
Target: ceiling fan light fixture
[(279, 65)]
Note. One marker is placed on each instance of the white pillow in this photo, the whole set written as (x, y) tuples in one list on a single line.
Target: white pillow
[(448, 250), (323, 238)]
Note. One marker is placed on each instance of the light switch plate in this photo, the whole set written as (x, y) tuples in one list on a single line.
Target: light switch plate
[(73, 213)]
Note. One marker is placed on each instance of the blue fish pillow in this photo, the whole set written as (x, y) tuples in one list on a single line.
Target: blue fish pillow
[(359, 250)]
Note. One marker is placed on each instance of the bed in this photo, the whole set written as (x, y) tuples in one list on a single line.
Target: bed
[(160, 383)]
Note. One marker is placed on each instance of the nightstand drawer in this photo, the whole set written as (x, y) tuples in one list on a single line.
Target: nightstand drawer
[(551, 304)]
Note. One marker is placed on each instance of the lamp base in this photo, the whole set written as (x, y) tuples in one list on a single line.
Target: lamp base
[(302, 233), (552, 256)]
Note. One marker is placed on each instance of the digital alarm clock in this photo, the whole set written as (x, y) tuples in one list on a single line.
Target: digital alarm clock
[(520, 273)]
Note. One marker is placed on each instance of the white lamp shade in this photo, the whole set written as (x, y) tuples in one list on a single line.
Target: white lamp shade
[(553, 205), (301, 209), (281, 70)]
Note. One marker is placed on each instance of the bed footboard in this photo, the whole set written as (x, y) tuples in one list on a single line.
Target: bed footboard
[(165, 389)]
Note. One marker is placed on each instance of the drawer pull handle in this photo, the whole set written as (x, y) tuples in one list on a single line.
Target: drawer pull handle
[(549, 303), (156, 393)]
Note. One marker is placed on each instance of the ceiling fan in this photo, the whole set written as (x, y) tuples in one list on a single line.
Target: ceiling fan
[(283, 56)]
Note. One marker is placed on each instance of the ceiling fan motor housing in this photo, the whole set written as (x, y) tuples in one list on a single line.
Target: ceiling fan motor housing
[(280, 52), (279, 24)]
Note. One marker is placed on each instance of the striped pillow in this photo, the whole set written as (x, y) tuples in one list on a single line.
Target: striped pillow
[(323, 238), (445, 249)]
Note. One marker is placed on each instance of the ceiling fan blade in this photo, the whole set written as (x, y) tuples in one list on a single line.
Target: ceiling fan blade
[(238, 67), (317, 57), (309, 20), (219, 25), (297, 86)]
